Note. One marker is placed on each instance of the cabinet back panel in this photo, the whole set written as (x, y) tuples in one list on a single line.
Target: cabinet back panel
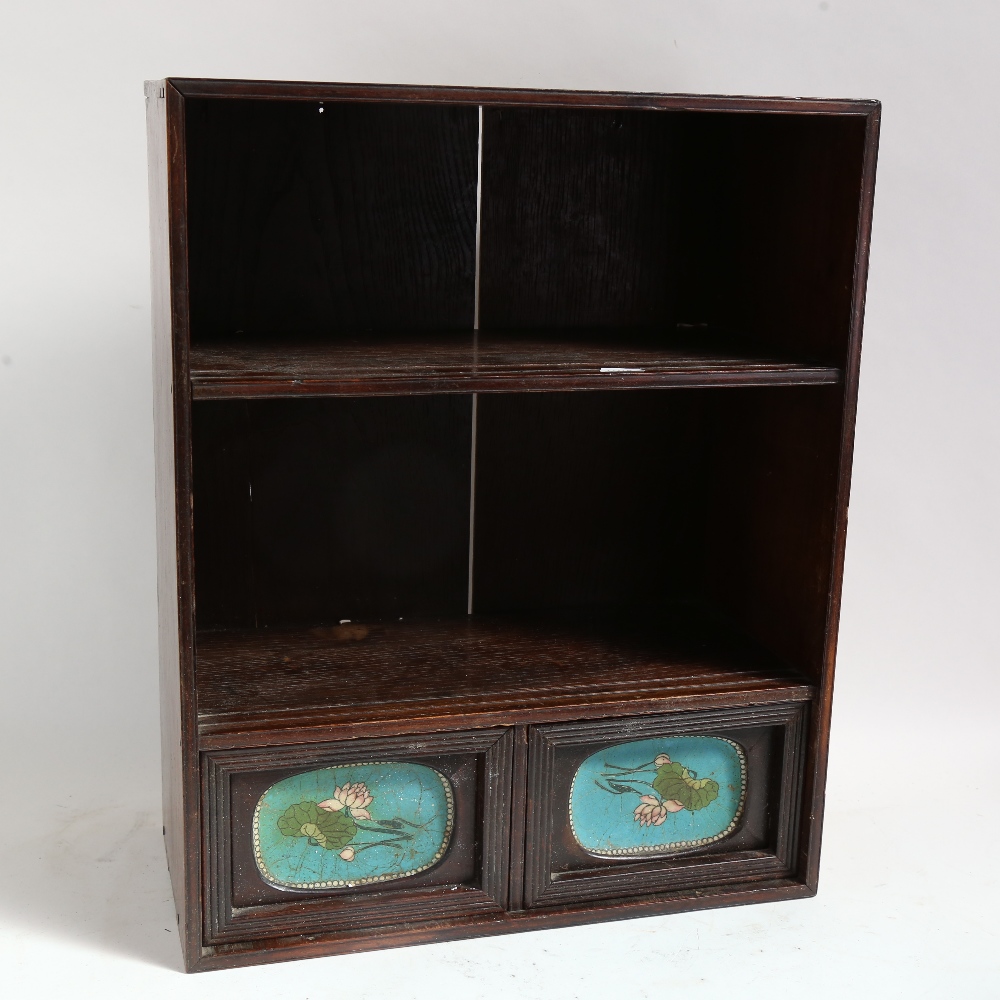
[(587, 499), (310, 224), (718, 223), (321, 509), (719, 497), (575, 218)]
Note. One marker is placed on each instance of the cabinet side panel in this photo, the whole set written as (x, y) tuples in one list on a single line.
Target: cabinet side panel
[(163, 428), (163, 108), (772, 513), (766, 225), (819, 737)]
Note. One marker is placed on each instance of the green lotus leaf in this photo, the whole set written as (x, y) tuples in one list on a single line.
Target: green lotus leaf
[(674, 781), (295, 817), (338, 829), (332, 830)]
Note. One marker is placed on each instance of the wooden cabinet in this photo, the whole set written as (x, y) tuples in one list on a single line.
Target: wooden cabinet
[(503, 448)]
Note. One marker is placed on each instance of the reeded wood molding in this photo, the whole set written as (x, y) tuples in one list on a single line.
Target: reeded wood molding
[(262, 951)]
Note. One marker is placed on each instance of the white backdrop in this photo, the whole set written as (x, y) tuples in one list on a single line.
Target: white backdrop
[(910, 864)]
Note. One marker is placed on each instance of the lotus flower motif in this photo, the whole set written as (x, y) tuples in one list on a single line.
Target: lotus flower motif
[(347, 853), (661, 759), (354, 796), (652, 812)]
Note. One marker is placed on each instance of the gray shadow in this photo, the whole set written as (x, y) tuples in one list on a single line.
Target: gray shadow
[(91, 873)]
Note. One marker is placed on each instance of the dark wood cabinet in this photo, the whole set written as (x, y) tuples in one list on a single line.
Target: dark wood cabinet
[(503, 445)]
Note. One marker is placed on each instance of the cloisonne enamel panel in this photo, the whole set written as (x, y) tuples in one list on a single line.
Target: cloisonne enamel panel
[(353, 824), (657, 796)]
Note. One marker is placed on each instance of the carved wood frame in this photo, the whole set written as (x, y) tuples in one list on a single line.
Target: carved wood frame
[(370, 906), (698, 869)]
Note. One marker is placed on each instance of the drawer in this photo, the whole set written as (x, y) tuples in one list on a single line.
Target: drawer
[(649, 805), (363, 833)]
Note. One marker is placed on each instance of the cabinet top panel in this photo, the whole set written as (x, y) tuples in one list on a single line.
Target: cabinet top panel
[(285, 90)]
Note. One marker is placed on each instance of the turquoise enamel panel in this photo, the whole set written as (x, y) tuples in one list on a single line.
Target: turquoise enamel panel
[(656, 796), (352, 825)]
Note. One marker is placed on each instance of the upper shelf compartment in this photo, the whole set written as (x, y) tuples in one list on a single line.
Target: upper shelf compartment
[(484, 362), (327, 240)]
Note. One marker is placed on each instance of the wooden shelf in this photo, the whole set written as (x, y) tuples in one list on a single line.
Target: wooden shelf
[(484, 362), (268, 685)]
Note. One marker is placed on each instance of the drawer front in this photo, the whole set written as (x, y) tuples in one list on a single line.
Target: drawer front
[(355, 834), (648, 805)]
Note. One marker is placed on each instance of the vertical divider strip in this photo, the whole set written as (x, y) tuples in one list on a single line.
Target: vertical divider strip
[(475, 359), (472, 496), (479, 215)]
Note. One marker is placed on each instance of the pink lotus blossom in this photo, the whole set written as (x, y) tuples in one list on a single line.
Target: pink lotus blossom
[(661, 760), (354, 797), (650, 812), (347, 853)]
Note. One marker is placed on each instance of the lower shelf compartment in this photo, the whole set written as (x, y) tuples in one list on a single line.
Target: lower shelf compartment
[(275, 685)]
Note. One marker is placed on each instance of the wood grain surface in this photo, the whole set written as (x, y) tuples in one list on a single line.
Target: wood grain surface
[(450, 673), (576, 219), (485, 362)]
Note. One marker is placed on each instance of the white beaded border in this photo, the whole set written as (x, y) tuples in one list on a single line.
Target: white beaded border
[(633, 852), (340, 883)]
